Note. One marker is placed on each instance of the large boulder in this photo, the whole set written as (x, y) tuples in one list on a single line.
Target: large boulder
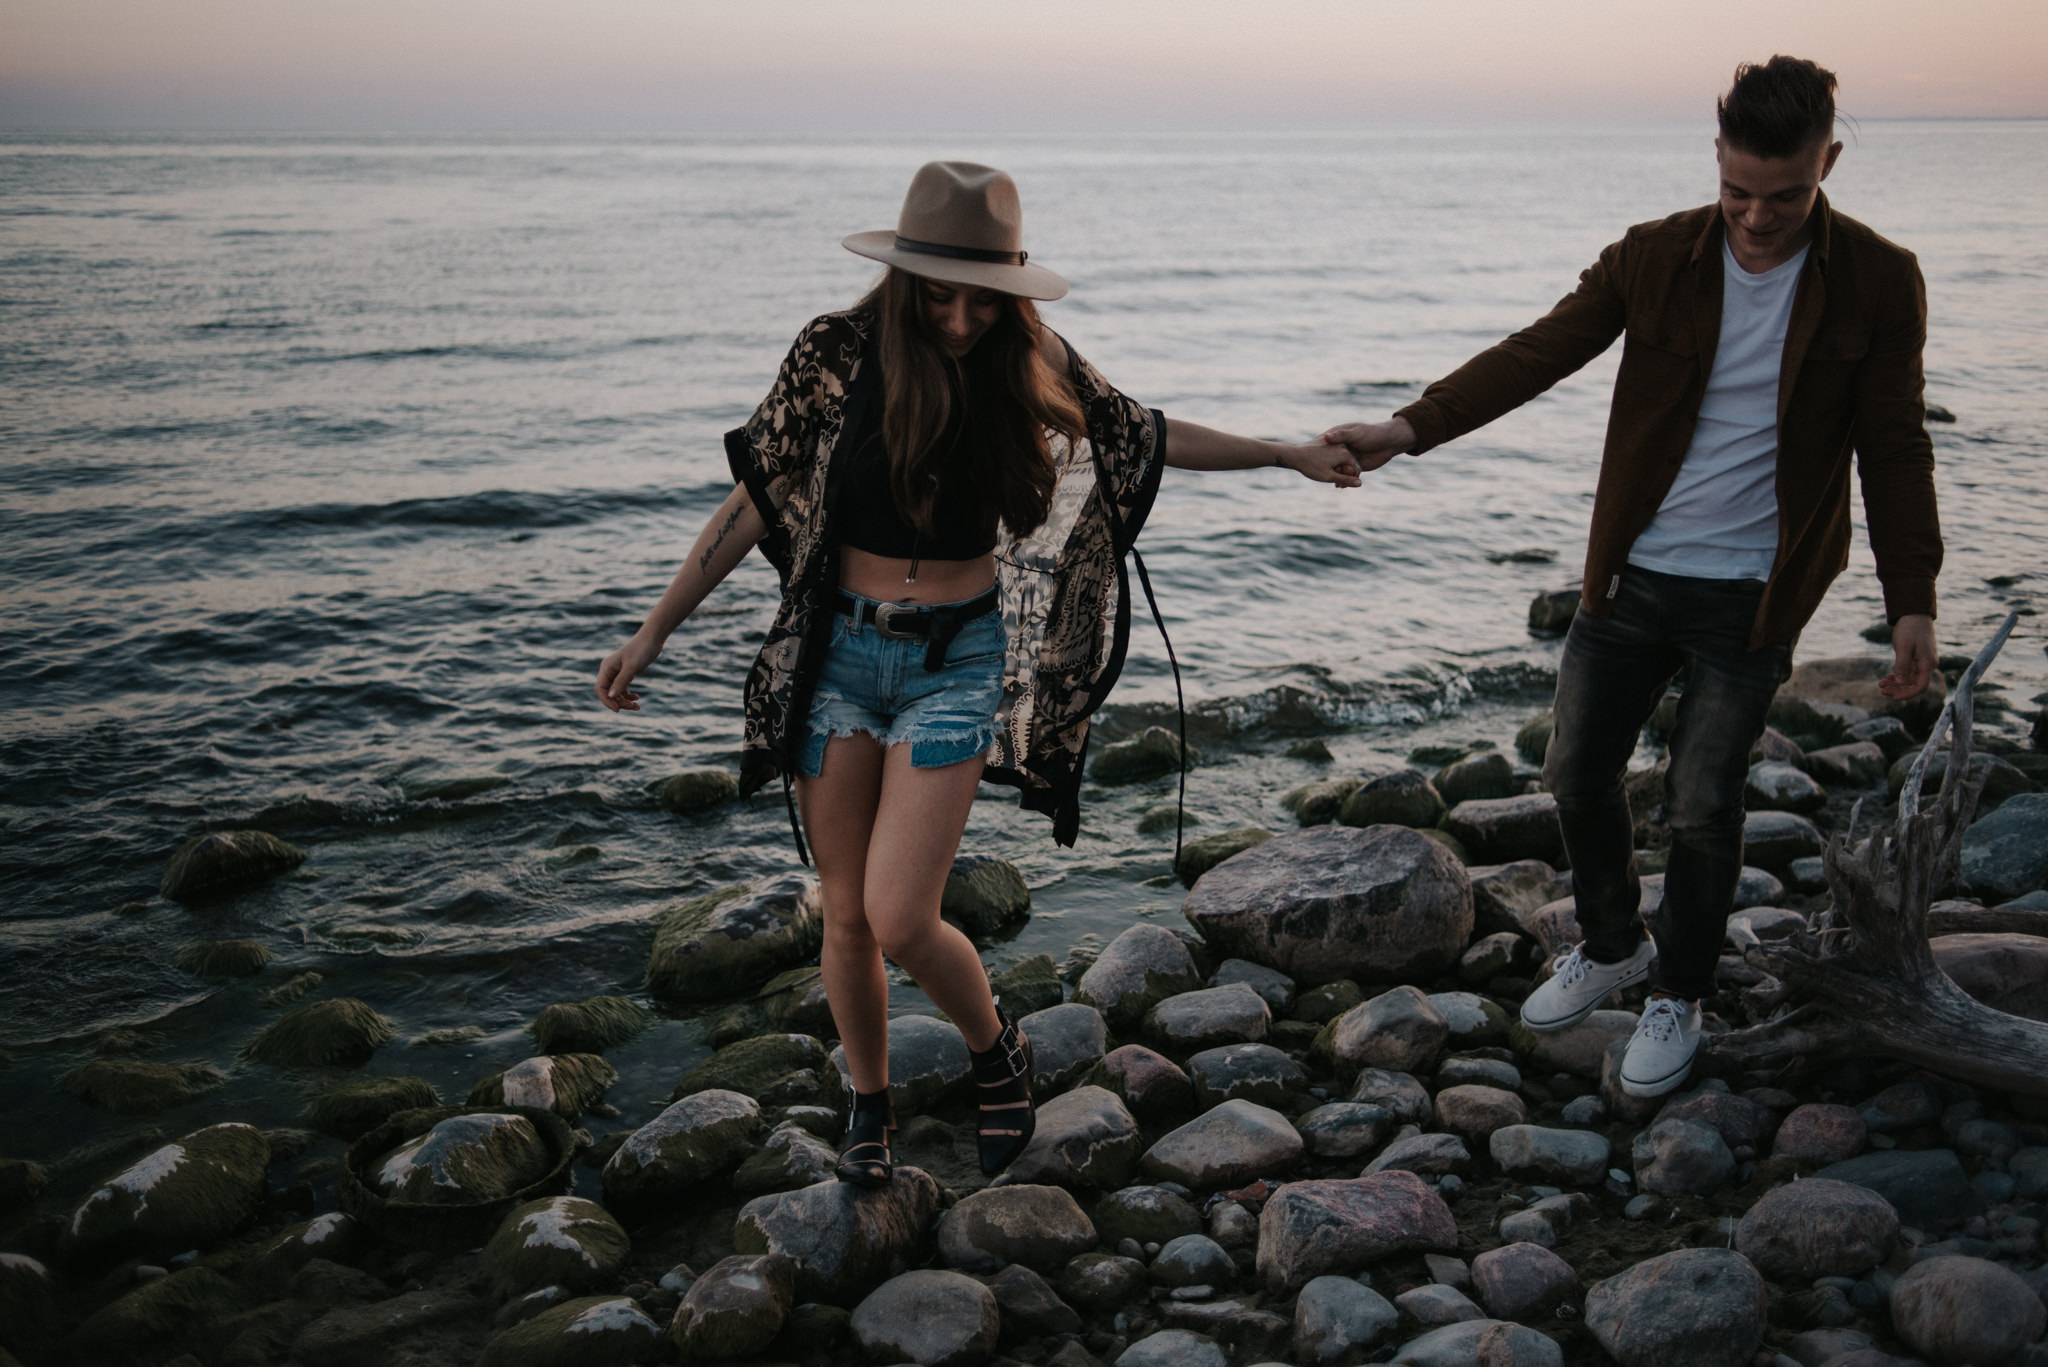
[(352, 1335), (775, 1070), (1817, 1228), (589, 1329), (1401, 1030), (735, 939), (590, 1026), (467, 1159), (1039, 1227), (1494, 1343), (1136, 971), (701, 1137), (1225, 1147), (735, 1309), (561, 1241), (2008, 972), (567, 1084), (224, 862), (932, 1318), (1961, 1310), (1927, 1187), (1066, 1044), (928, 1062), (843, 1239), (2005, 855), (1500, 830), (185, 1195), (1209, 1016), (1382, 904), (1405, 797), (1084, 1138), (1698, 1307), (139, 1087), (1853, 681), (339, 1032), (1311, 1229), (984, 896)]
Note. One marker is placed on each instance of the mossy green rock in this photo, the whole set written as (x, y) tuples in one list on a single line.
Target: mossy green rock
[(291, 989), (158, 1317), (1320, 1005), (1488, 774), (225, 862), (188, 1194), (591, 1331), (702, 1137), (791, 1157), (1533, 740), (697, 790), (1405, 797), (590, 1026), (1199, 856), (21, 1182), (465, 1160), (794, 1001), (733, 940), (1166, 816), (1317, 804), (561, 1241), (984, 896), (340, 1032), (362, 1104), (221, 958), (134, 1087), (567, 1084), (774, 1070), (28, 1303), (1315, 750), (334, 1237), (1031, 985), (1151, 754), (735, 1309)]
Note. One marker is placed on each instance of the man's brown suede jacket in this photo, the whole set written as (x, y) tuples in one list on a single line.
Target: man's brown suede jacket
[(1851, 380)]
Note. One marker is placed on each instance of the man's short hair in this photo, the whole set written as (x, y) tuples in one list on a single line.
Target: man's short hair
[(1779, 108)]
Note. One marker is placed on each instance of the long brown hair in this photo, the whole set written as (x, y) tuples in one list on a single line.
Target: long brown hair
[(1000, 399)]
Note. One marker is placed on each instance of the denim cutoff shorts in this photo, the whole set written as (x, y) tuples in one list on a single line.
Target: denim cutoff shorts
[(878, 685)]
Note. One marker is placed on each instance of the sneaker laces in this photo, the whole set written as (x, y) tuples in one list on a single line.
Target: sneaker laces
[(1661, 1018), (1570, 967)]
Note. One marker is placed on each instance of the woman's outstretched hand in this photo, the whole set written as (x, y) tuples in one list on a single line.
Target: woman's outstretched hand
[(620, 668)]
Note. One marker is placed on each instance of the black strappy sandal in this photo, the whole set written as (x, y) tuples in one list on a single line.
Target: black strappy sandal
[(1005, 1121), (866, 1160)]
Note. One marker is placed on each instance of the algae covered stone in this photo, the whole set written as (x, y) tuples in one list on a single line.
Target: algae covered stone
[(157, 1317), (984, 896), (224, 862), (187, 1194), (735, 1309), (589, 1330), (463, 1160), (1030, 985), (1197, 857), (775, 1070), (590, 1026), (361, 1105), (561, 1241), (733, 940), (696, 790), (842, 1239), (340, 1032), (221, 958), (1153, 753), (135, 1087), (703, 1136), (567, 1084)]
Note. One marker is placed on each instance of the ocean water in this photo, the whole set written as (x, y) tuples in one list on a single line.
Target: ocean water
[(331, 465)]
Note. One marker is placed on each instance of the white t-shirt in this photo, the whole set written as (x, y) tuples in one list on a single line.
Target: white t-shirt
[(1720, 520)]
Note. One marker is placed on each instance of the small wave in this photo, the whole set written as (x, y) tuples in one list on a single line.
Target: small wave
[(244, 325), (1355, 389), (539, 351)]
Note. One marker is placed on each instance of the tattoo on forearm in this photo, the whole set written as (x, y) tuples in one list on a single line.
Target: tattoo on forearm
[(731, 519)]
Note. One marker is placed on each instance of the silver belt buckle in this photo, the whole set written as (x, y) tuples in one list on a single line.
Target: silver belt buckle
[(885, 620)]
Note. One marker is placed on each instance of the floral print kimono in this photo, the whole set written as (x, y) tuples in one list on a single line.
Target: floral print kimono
[(1066, 601)]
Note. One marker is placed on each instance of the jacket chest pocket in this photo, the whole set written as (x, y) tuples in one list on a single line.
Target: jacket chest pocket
[(1659, 362)]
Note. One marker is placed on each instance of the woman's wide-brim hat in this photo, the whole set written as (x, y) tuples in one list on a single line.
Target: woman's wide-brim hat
[(961, 223)]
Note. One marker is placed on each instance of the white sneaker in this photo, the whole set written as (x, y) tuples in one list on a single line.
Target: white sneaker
[(1578, 985), (1660, 1052)]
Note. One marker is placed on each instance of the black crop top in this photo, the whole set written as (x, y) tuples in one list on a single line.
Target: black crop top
[(870, 521)]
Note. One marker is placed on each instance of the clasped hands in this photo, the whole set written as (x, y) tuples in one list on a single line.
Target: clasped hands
[(1371, 444)]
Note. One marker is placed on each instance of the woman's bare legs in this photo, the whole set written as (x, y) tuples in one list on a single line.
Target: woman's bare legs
[(884, 835)]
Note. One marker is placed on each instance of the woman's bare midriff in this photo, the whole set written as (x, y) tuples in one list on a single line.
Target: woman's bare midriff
[(938, 581)]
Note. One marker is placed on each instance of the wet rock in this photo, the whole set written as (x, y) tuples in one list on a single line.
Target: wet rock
[(221, 958), (567, 1084), (556, 1241), (1384, 903), (1740, 1122), (1084, 1138), (1029, 1307), (1901, 1106), (464, 1160), (1405, 797), (1437, 1304), (1521, 1279), (1927, 1187), (793, 1002), (1698, 1307), (333, 1237), (1479, 1071), (1345, 1129), (702, 1137), (1772, 840), (1966, 1310), (168, 1313), (1253, 1072), (1857, 764), (2002, 780), (2005, 854), (984, 896), (1320, 1005), (1275, 988), (1309, 1229), (1820, 1133), (1339, 1321), (185, 1195), (695, 791), (1486, 775), (28, 1307), (1145, 1215), (295, 987), (225, 862), (1550, 614), (1682, 1158), (844, 1239), (1039, 1227), (1400, 1030), (1197, 857), (732, 940), (360, 1105), (590, 1329), (791, 1157), (1192, 1260), (1575, 1158), (1102, 1281), (1065, 1042), (1135, 972), (590, 1026), (1150, 1084), (1317, 804), (1576, 1049), (1494, 1343), (1434, 1154), (735, 1309), (1173, 1348), (1503, 829), (936, 1319), (796, 1070), (1232, 1014), (358, 1334), (928, 1062), (1225, 1147), (136, 1087), (1029, 986), (2007, 972), (1532, 739), (1888, 734), (1817, 1228), (1477, 1111), (1852, 680), (340, 1032), (1473, 1020), (1505, 895), (1775, 787), (1399, 1093)]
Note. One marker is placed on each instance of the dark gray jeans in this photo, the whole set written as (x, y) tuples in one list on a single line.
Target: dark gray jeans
[(1613, 674)]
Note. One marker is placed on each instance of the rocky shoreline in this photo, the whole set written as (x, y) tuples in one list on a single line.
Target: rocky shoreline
[(1303, 1129)]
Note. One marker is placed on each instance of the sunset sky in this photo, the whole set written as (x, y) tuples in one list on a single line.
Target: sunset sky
[(878, 65)]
